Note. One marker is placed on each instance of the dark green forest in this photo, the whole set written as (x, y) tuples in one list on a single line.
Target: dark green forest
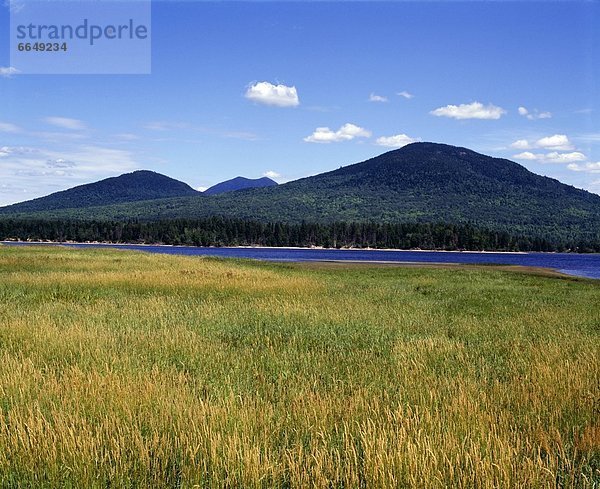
[(223, 231)]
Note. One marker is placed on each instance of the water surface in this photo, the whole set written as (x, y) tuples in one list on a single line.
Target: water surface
[(582, 265)]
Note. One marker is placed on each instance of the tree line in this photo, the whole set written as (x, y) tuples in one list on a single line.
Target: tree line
[(223, 231)]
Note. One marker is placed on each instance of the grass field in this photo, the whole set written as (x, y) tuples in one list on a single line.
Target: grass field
[(123, 369)]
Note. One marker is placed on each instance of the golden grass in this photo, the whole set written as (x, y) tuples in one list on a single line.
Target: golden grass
[(125, 369)]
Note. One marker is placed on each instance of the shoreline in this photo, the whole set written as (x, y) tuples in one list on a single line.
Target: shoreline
[(330, 260), (259, 247)]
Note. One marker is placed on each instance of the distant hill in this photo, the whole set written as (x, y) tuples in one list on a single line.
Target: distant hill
[(421, 182), (239, 183), (130, 187)]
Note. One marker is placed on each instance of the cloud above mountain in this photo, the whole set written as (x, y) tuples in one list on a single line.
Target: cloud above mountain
[(266, 93), (533, 115), (474, 110), (397, 141), (345, 133), (556, 142)]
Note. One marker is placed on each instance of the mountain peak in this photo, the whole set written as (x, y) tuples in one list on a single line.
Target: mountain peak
[(129, 187), (239, 183)]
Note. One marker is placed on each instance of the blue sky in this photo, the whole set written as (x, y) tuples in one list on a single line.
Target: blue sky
[(291, 89)]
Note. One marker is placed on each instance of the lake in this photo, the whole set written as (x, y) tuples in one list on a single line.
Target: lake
[(582, 265)]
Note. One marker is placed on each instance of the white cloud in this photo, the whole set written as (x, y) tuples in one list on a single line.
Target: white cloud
[(521, 144), (585, 167), (475, 110), (17, 150), (405, 94), (345, 133), (271, 174), (528, 155), (397, 141), (557, 141), (8, 127), (536, 114), (201, 189), (268, 94), (66, 123), (8, 71), (5, 151), (553, 157), (556, 157), (377, 98)]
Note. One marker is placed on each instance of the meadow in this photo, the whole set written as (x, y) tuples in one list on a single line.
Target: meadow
[(125, 369)]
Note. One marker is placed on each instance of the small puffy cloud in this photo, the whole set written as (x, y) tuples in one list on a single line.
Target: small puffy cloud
[(585, 167), (397, 141), (345, 133), (8, 127), (405, 94), (528, 155), (201, 189), (8, 71), (475, 110), (271, 174), (553, 157), (556, 157), (268, 94), (66, 123), (557, 142), (521, 144), (536, 114), (377, 98)]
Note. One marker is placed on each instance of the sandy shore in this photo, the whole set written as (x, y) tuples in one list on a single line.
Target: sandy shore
[(416, 250)]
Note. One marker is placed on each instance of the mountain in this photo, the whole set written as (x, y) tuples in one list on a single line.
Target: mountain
[(239, 183), (421, 182), (130, 187)]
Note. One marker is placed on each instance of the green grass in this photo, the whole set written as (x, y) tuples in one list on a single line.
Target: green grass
[(124, 369)]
